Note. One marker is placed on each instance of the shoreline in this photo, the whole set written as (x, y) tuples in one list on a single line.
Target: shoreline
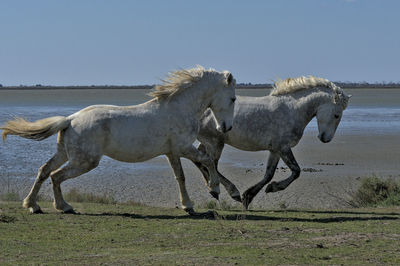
[(149, 87), (330, 173)]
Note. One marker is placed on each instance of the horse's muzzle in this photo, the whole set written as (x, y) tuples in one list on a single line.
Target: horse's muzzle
[(223, 128), (229, 129), (322, 138)]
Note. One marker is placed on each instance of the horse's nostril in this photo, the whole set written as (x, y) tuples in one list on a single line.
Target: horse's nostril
[(322, 137), (230, 128), (223, 127)]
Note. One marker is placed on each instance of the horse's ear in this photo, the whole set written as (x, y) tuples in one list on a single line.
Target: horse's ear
[(229, 79)]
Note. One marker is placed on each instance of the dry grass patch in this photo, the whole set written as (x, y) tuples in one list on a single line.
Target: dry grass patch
[(375, 191)]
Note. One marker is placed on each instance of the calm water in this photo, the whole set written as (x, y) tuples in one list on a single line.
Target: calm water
[(369, 112)]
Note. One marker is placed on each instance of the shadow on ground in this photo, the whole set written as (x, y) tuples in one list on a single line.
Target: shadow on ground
[(252, 217)]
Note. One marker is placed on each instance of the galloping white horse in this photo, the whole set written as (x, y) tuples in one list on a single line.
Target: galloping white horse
[(276, 123), (168, 124)]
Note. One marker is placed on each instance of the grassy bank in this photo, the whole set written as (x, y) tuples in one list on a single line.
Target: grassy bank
[(122, 233)]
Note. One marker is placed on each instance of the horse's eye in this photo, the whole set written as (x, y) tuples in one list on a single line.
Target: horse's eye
[(337, 116), (233, 99)]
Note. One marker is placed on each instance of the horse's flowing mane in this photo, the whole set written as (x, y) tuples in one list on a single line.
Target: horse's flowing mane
[(289, 85), (177, 81)]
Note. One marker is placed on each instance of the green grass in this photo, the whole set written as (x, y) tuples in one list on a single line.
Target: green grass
[(126, 234), (221, 205), (10, 196), (75, 195)]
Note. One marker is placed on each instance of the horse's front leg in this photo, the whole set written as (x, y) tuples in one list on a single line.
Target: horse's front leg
[(229, 186), (198, 156), (288, 157), (250, 193), (186, 203)]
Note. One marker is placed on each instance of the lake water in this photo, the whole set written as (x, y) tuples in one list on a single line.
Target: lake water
[(370, 111)]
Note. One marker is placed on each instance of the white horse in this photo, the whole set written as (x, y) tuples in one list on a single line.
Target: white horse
[(276, 123), (168, 124)]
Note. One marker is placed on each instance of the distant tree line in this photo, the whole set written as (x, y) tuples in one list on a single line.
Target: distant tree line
[(338, 83), (367, 85), (239, 86)]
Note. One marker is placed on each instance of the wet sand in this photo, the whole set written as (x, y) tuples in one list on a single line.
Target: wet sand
[(331, 172)]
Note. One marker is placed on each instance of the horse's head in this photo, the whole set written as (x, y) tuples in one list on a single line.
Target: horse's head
[(329, 115), (223, 102)]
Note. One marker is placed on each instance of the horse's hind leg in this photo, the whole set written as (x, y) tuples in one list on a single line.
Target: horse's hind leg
[(251, 192), (288, 157), (71, 170), (44, 171)]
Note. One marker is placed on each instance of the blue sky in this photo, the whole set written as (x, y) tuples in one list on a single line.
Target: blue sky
[(137, 42)]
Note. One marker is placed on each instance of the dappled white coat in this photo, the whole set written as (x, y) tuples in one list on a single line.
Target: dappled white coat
[(167, 124), (276, 123)]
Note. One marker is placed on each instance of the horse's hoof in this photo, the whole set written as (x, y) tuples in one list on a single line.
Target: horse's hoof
[(214, 194), (237, 198), (195, 214), (246, 199), (246, 203), (271, 188), (70, 211), (208, 214), (36, 210), (190, 211)]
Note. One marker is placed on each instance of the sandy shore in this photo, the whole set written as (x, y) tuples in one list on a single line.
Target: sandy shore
[(330, 173)]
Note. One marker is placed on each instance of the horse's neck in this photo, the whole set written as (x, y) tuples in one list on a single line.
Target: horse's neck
[(193, 101), (309, 104)]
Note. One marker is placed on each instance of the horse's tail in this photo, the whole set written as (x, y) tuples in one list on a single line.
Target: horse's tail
[(38, 130)]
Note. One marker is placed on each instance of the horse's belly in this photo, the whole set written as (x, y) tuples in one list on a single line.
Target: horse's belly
[(248, 142), (137, 150), (247, 146), (133, 155)]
